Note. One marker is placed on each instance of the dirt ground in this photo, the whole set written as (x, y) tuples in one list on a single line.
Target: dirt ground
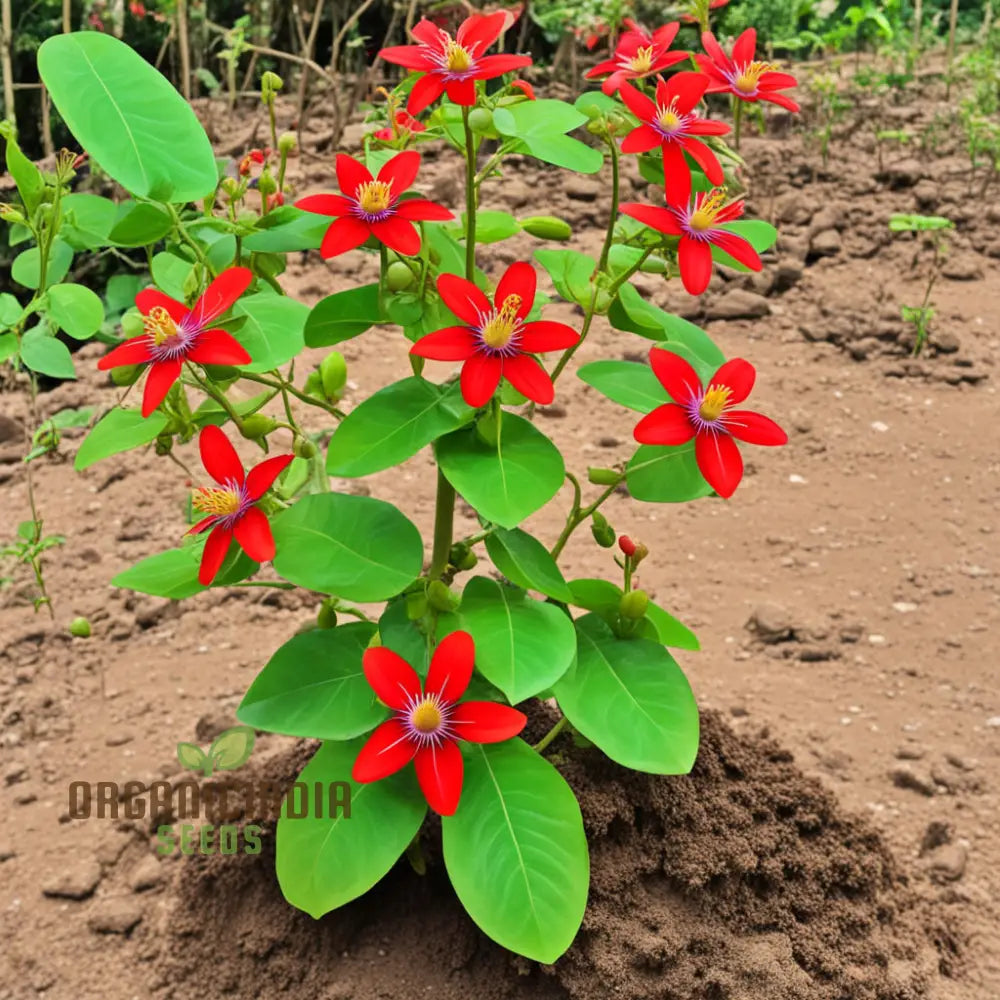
[(846, 599)]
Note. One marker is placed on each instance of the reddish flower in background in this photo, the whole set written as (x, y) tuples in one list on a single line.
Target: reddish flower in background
[(370, 206), (698, 225), (428, 721), (496, 342), (637, 55), (671, 123), (403, 126), (525, 88), (452, 65), (175, 334), (714, 5), (706, 415), (230, 506), (741, 76)]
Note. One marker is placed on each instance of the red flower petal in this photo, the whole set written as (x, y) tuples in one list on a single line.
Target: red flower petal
[(451, 666), (219, 456), (399, 235), (783, 102), (216, 347), (519, 279), (676, 175), (715, 52), (776, 81), (427, 32), (739, 249), (661, 219), (480, 378), (343, 235), (440, 771), (425, 92), (739, 376), (214, 555), (387, 751), (202, 525), (253, 534), (325, 204), (688, 87), (719, 461), (422, 210), (754, 428), (400, 171), (351, 174), (641, 139), (529, 378), (162, 375), (695, 261), (546, 335), (702, 126), (745, 47), (665, 35), (149, 298), (602, 69), (705, 159), (453, 343), (613, 82), (461, 92), (666, 425), (262, 476), (394, 681), (221, 294), (481, 30), (638, 103), (410, 56), (487, 721), (493, 66), (675, 374), (132, 352), (463, 298)]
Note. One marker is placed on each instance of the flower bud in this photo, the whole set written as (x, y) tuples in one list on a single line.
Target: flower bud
[(80, 628), (10, 214), (164, 444), (633, 604), (287, 143), (440, 597), (230, 187), (126, 375), (326, 617), (333, 374), (270, 84), (314, 385), (416, 606), (547, 227), (304, 448), (257, 426), (603, 477), (462, 557), (481, 120), (654, 265), (266, 184), (603, 533), (398, 276), (627, 546)]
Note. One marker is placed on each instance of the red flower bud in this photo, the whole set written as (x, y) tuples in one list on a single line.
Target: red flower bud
[(626, 545)]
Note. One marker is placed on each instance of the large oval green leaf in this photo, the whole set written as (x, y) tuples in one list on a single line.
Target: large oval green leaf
[(314, 687), (666, 474), (630, 698), (128, 117), (324, 862), (118, 431), (516, 851), (626, 382), (76, 309), (508, 481), (525, 561), (174, 573), (272, 333), (355, 547)]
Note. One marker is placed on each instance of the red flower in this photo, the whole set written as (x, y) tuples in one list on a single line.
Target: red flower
[(370, 206), (706, 415), (672, 124), (714, 5), (638, 55), (627, 546), (525, 88), (453, 65), (427, 722), (402, 127), (175, 334), (230, 506), (741, 76), (699, 225), (496, 342)]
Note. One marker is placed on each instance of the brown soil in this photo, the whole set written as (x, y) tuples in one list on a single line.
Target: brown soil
[(844, 599)]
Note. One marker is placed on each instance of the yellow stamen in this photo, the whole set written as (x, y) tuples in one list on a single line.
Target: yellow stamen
[(749, 77), (426, 717), (642, 61), (458, 58), (159, 325), (498, 331), (668, 117), (715, 401), (708, 211), (215, 501), (374, 196)]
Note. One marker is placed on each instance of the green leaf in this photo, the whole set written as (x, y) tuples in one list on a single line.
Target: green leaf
[(287, 230), (10, 310), (170, 273), (87, 220), (27, 267), (403, 636), (600, 596), (117, 431), (27, 177), (563, 151), (759, 234), (44, 354), (508, 481), (357, 548), (325, 862), (666, 474), (232, 748), (630, 698), (902, 223), (393, 424), (341, 316), (523, 646), (541, 118), (314, 687), (526, 562), (128, 117), (139, 224), (174, 573), (670, 631), (273, 332), (596, 101), (121, 291), (8, 346), (516, 851), (191, 756), (491, 227), (76, 309), (628, 383), (570, 272)]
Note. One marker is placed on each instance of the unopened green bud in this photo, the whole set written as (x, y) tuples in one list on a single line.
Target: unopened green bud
[(231, 187), (416, 606), (10, 214), (270, 83), (603, 477), (257, 426), (440, 597), (126, 375), (597, 126), (314, 385), (462, 557), (326, 617), (164, 444), (654, 265), (603, 533), (481, 120), (435, 255), (80, 628), (304, 448), (266, 184), (333, 374), (286, 143), (547, 227), (132, 324), (633, 604), (398, 276)]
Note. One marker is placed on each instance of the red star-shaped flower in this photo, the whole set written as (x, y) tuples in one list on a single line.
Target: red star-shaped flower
[(370, 206), (175, 334), (428, 720), (403, 126), (638, 54), (706, 415), (700, 227), (453, 65), (742, 76), (231, 506), (496, 342), (671, 123)]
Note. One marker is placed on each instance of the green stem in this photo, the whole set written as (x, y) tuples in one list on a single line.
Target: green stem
[(470, 197), (602, 264), (737, 122), (540, 746), (444, 515), (288, 387), (578, 516), (565, 359), (383, 268), (265, 583), (219, 397)]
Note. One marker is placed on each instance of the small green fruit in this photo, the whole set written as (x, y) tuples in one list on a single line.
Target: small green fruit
[(333, 374), (257, 426), (398, 276), (327, 615), (633, 605), (547, 227), (80, 628), (304, 448), (654, 265), (481, 120), (603, 533), (603, 477)]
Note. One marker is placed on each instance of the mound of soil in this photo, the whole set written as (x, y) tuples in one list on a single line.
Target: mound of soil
[(741, 881)]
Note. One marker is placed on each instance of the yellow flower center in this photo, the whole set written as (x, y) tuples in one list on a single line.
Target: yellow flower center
[(708, 211), (457, 56), (426, 717), (374, 196), (669, 117), (215, 500), (159, 325), (749, 77), (714, 402), (642, 61), (498, 331)]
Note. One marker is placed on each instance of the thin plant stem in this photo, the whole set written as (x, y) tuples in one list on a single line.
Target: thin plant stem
[(470, 197), (444, 516), (544, 742), (577, 518)]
